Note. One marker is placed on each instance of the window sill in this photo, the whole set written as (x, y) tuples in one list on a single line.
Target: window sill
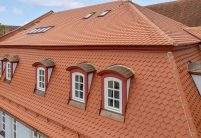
[(112, 115), (7, 81), (39, 92), (77, 104)]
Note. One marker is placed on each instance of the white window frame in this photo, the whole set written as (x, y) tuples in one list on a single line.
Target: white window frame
[(38, 79), (3, 117), (74, 89), (8, 71), (35, 134), (106, 97), (14, 128)]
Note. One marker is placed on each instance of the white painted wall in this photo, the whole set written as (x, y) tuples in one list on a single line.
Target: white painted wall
[(197, 80), (90, 76), (49, 73)]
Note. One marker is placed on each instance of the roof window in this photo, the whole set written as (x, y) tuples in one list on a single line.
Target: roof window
[(104, 13), (40, 30), (88, 15)]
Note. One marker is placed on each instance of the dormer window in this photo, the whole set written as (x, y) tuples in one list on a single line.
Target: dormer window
[(113, 94), (195, 70), (41, 78), (88, 15), (11, 65), (115, 91), (81, 79), (8, 71), (44, 70), (104, 13), (78, 90)]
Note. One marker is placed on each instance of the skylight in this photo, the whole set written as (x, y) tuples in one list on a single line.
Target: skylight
[(88, 15), (40, 30), (104, 13)]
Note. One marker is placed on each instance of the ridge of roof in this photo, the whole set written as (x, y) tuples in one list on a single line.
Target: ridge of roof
[(28, 25), (152, 24)]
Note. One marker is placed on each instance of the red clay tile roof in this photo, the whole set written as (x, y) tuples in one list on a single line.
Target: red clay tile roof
[(184, 11), (163, 100), (126, 24), (154, 106), (196, 31)]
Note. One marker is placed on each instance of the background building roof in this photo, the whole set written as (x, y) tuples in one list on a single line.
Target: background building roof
[(184, 11)]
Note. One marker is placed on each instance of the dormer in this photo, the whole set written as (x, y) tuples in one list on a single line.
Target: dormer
[(44, 71), (116, 80), (81, 76), (11, 65)]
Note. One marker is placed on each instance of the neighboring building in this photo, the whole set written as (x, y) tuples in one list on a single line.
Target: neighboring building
[(9, 28), (109, 70), (184, 11)]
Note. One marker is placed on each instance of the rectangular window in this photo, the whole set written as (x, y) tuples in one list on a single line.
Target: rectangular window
[(78, 87), (41, 79), (88, 15), (113, 94), (8, 71)]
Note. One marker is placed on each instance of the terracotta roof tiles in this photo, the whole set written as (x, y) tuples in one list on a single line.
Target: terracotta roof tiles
[(154, 108), (126, 24)]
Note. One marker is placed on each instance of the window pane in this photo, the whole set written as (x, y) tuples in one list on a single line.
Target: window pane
[(110, 84), (42, 85), (81, 95), (116, 104), (77, 78), (76, 93), (110, 93), (116, 85), (42, 79), (116, 94), (81, 87), (81, 79), (110, 102), (42, 72), (76, 85)]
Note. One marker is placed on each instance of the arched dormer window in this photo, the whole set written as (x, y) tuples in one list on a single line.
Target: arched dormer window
[(115, 91), (10, 65), (2, 64), (44, 70), (81, 78)]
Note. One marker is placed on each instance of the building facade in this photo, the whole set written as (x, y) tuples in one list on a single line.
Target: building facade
[(110, 70)]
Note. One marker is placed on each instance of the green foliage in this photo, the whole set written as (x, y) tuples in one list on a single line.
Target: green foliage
[(2, 29)]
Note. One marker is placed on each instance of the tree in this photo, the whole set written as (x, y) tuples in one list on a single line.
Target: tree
[(2, 29)]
